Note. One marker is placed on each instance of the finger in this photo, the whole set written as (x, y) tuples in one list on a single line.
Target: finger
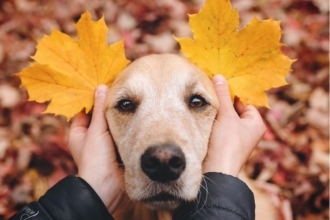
[(249, 111), (80, 120), (77, 134), (256, 119), (79, 123), (98, 123), (239, 107), (222, 91)]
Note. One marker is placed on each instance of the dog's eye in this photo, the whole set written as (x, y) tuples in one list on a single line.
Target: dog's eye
[(197, 102), (126, 105)]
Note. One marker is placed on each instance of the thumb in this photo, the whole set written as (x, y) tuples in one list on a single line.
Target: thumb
[(98, 123), (221, 88)]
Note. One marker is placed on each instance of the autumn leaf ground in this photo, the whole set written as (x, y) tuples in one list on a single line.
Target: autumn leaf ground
[(292, 160)]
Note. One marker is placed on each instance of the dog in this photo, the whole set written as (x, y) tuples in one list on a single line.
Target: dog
[(160, 110)]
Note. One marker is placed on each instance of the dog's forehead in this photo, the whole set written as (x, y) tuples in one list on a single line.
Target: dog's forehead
[(167, 75), (163, 71)]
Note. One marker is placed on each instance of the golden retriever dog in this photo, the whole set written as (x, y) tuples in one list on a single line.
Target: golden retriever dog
[(160, 110)]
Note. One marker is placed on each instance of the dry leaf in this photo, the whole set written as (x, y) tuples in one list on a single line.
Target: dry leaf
[(249, 58), (68, 71)]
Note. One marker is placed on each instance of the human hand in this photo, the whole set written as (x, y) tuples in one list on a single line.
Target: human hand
[(93, 151), (234, 135)]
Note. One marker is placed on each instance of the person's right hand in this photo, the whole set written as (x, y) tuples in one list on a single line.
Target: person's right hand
[(235, 133), (93, 150)]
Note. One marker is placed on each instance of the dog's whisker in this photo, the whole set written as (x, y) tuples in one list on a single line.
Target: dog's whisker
[(210, 180), (207, 194), (197, 202)]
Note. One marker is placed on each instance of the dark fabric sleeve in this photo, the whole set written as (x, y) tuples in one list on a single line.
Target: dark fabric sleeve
[(221, 197), (70, 199)]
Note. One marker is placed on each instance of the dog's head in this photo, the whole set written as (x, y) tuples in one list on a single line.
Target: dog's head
[(160, 111)]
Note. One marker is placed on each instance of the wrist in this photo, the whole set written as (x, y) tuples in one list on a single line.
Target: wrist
[(228, 169), (107, 190)]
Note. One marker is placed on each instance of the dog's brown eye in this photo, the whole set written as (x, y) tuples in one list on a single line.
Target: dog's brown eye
[(197, 102), (126, 106)]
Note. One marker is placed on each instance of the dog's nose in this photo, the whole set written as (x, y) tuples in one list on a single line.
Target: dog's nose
[(163, 163)]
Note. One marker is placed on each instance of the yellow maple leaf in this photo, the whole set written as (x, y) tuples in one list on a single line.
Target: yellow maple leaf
[(250, 59), (68, 71)]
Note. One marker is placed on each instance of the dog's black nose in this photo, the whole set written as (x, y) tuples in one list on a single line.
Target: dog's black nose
[(163, 163)]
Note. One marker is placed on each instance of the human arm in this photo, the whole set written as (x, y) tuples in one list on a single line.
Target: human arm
[(93, 151), (96, 193), (222, 197), (72, 198), (236, 131)]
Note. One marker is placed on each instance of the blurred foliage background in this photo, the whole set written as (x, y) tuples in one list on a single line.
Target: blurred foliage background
[(291, 163)]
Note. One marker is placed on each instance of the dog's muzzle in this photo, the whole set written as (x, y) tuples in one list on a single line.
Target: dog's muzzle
[(163, 163)]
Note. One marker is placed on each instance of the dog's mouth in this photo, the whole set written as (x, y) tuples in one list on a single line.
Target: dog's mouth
[(163, 201), (161, 197)]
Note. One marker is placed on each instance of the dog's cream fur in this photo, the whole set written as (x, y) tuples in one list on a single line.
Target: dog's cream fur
[(160, 86)]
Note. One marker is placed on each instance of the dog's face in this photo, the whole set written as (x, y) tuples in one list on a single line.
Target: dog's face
[(160, 111)]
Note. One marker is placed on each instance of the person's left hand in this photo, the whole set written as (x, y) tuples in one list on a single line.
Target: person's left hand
[(93, 151), (236, 131)]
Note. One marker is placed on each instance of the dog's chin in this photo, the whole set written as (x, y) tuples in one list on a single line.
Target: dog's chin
[(162, 201)]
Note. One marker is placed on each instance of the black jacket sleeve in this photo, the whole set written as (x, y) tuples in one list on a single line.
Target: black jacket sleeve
[(71, 199), (220, 197)]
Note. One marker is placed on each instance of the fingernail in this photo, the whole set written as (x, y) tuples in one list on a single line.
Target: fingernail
[(101, 90), (219, 80)]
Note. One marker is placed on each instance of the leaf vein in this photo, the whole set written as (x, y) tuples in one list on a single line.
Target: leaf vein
[(56, 83), (68, 63)]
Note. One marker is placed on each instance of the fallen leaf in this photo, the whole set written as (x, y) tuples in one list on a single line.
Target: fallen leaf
[(249, 58), (68, 71), (9, 96)]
